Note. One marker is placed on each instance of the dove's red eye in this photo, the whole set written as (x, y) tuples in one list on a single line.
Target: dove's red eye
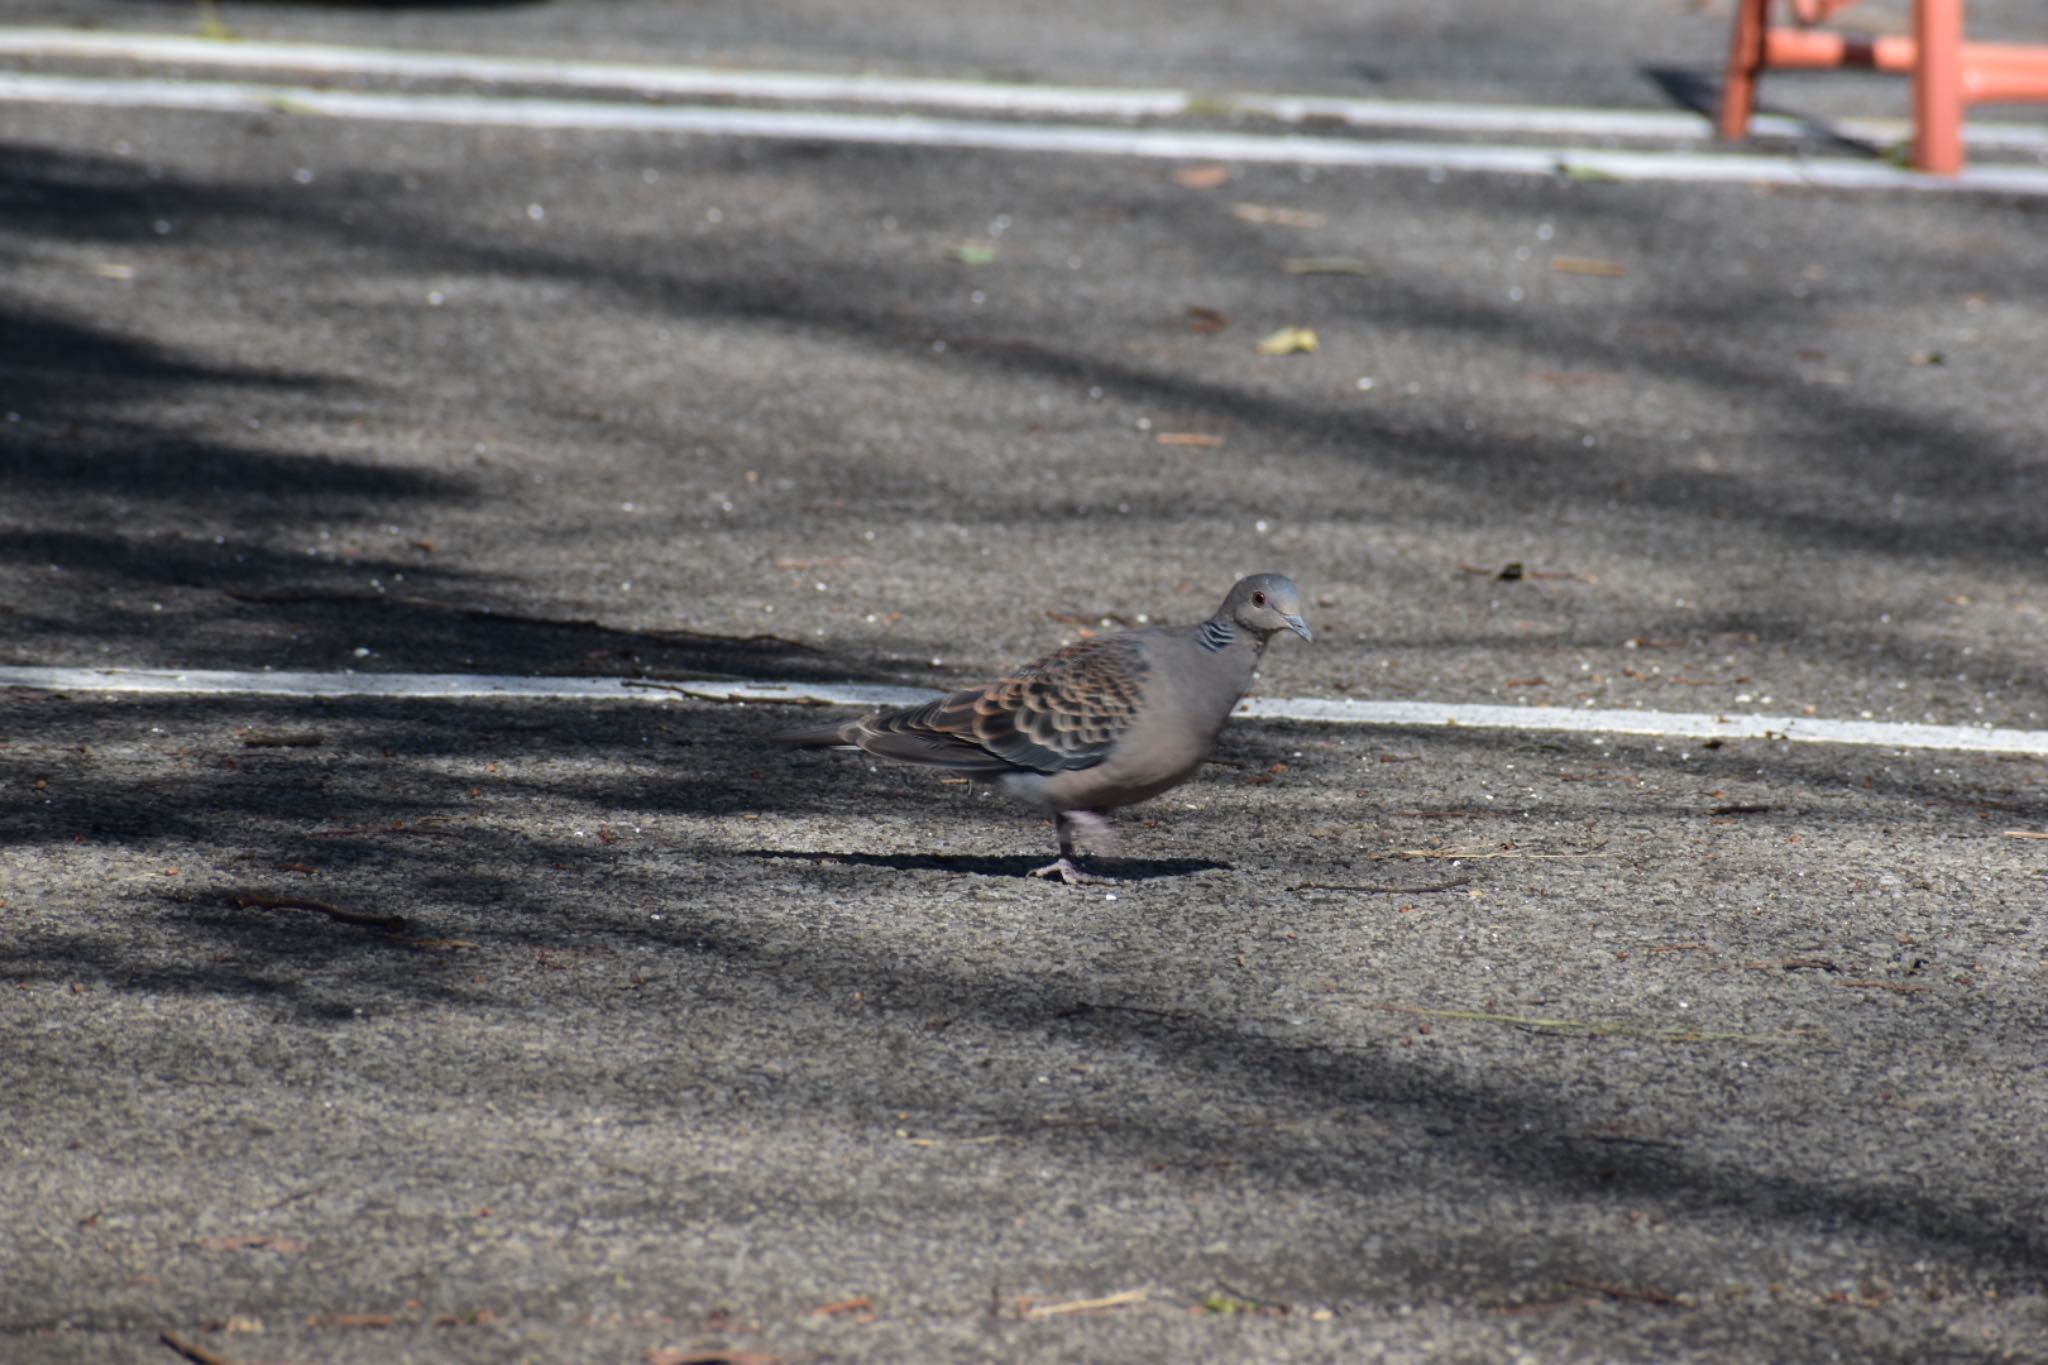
[(1258, 599)]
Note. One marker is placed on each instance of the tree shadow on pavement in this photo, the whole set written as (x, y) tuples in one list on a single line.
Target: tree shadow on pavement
[(522, 917), (107, 505)]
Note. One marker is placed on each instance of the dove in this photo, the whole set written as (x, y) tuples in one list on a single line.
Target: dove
[(1107, 722)]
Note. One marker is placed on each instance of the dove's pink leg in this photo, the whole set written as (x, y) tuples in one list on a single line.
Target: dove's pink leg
[(1097, 830)]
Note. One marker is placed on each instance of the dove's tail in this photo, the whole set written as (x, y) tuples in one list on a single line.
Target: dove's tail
[(905, 744)]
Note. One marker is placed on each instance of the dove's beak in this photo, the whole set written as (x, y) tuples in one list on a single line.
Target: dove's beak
[(1299, 627)]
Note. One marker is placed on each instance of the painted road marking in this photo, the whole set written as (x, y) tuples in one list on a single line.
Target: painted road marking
[(1405, 714), (909, 130), (1058, 101)]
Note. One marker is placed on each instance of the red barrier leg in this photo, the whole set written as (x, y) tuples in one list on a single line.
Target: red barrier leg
[(1745, 64), (1938, 86)]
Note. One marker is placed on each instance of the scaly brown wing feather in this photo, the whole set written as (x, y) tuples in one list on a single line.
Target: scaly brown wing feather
[(1064, 712)]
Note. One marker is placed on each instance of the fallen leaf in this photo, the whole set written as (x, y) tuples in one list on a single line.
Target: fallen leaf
[(1587, 265), (1262, 213), (1188, 438), (1324, 265), (1288, 340), (1205, 321), (971, 253), (1204, 177)]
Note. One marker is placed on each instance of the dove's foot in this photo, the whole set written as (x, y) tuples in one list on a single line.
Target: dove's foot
[(1064, 869)]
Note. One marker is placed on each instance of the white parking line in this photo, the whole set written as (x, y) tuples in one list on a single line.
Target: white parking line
[(1405, 714), (907, 130), (211, 682), (1052, 101)]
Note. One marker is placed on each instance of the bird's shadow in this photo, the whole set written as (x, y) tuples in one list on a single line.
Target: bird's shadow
[(1119, 869)]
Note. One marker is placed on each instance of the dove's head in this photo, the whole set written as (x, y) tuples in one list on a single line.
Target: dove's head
[(1265, 604)]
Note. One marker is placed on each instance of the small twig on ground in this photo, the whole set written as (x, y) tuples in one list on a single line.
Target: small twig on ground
[(1739, 810), (1517, 1310), (307, 1193), (2027, 834), (283, 741), (1124, 1299), (1451, 885), (1649, 1293), (252, 1241), (191, 1349), (854, 1305), (1792, 964), (390, 924), (353, 1320)]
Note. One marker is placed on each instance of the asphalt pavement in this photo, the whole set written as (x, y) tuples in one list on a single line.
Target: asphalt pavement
[(378, 1029)]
